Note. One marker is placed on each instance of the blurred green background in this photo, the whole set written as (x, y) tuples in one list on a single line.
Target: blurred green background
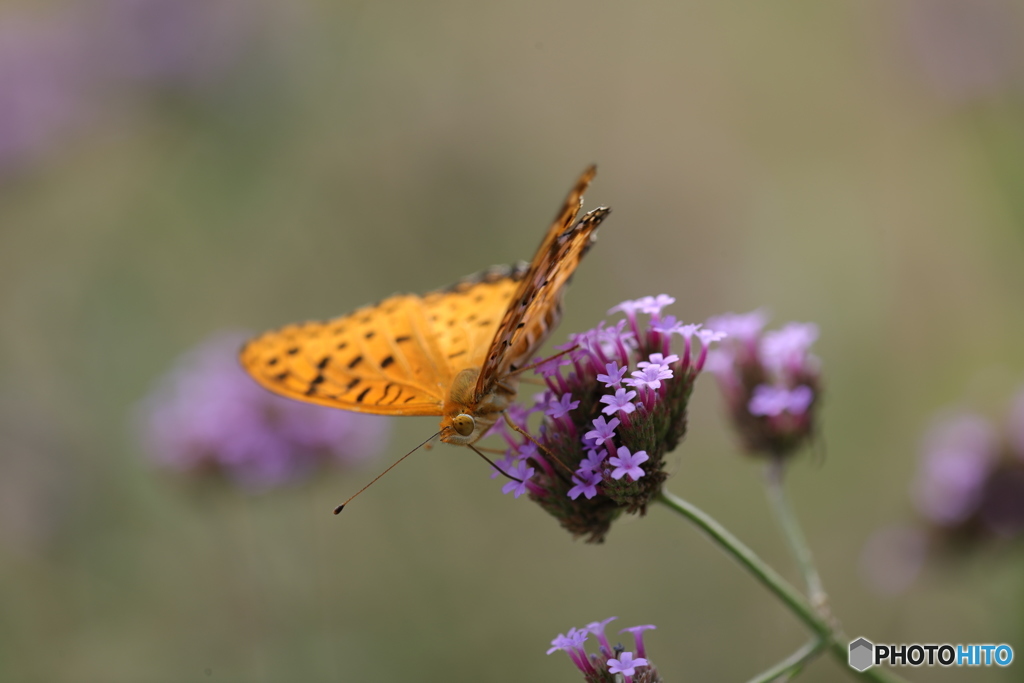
[(856, 164)]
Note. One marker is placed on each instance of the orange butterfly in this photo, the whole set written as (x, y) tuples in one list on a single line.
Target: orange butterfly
[(454, 353)]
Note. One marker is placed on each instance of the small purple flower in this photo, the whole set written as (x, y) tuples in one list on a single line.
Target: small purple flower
[(650, 377), (652, 305), (597, 628), (628, 463), (572, 644), (585, 483), (772, 401), (659, 360), (638, 636), (614, 376), (603, 431), (622, 400), (630, 308), (520, 471), (592, 463), (708, 336), (208, 415), (625, 664), (505, 464), (667, 325), (786, 350), (561, 407)]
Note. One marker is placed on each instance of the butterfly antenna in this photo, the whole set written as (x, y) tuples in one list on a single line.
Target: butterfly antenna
[(493, 464), (342, 506)]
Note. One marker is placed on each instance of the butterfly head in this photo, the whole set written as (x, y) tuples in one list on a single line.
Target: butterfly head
[(459, 429)]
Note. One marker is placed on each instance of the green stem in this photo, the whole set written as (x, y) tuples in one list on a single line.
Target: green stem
[(835, 641), (775, 487), (790, 666)]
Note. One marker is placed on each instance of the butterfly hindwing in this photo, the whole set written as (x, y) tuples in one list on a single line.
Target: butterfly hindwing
[(465, 317), (379, 359)]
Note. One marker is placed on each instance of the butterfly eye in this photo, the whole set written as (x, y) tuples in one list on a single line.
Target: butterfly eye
[(464, 424)]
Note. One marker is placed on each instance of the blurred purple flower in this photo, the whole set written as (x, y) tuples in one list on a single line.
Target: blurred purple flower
[(957, 458), (172, 42), (42, 85), (208, 415), (770, 380), (970, 482), (967, 50)]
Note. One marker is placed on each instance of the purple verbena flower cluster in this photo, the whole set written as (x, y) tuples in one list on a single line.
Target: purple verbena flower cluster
[(615, 405), (770, 380), (209, 417), (970, 483), (610, 662)]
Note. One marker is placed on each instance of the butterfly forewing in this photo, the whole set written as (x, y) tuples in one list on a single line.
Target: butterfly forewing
[(536, 306)]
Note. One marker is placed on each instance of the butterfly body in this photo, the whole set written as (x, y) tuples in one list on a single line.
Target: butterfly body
[(452, 353)]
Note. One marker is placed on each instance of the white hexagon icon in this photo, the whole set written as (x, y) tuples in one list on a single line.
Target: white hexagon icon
[(861, 654)]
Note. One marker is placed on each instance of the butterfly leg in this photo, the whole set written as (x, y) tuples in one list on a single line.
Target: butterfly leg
[(543, 449), (493, 464), (542, 362)]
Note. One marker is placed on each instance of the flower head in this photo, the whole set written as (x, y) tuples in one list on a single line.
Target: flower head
[(770, 380), (207, 415), (969, 485), (620, 407), (609, 662)]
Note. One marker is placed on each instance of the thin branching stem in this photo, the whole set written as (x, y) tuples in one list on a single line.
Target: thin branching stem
[(834, 640), (776, 490), (792, 665)]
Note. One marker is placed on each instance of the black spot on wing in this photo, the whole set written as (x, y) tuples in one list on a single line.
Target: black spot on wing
[(387, 361), (355, 361), (362, 395)]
